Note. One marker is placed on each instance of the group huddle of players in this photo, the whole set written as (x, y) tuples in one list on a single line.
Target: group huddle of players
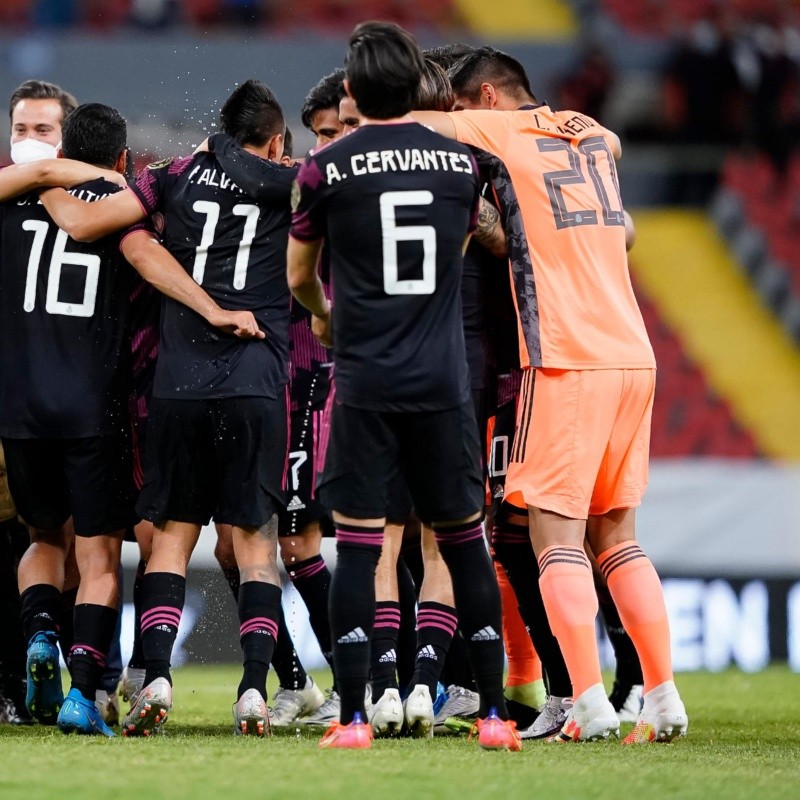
[(421, 335)]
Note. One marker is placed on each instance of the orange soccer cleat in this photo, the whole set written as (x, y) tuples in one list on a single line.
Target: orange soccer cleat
[(355, 736), (497, 734)]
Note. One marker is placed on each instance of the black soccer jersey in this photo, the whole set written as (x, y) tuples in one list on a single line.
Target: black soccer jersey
[(64, 349), (226, 216), (395, 203)]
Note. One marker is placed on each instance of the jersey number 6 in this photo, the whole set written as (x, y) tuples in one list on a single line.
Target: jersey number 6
[(392, 234)]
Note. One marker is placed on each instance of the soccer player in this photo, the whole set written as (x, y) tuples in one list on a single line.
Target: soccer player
[(583, 427), (37, 110), (217, 434), (36, 113), (320, 112), (396, 192), (63, 415)]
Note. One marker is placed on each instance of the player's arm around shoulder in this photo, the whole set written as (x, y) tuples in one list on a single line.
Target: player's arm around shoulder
[(87, 222), (489, 230), (22, 178), (159, 268)]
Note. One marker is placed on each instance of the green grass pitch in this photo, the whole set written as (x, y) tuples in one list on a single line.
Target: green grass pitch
[(744, 742)]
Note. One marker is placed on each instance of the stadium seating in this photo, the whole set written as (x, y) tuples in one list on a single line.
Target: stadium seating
[(689, 419), (758, 210)]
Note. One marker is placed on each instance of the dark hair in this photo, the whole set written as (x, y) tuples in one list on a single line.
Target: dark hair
[(447, 54), (94, 133), (42, 90), (383, 65), (326, 94), (434, 92), (252, 115), (288, 144), (487, 65)]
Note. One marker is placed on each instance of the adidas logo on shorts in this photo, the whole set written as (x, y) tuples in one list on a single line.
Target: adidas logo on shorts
[(427, 652), (387, 657), (487, 634), (295, 504), (355, 636)]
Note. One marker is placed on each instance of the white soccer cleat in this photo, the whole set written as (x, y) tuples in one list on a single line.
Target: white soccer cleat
[(462, 704), (551, 719), (149, 709), (130, 683), (418, 710), (591, 718), (108, 706), (663, 717), (288, 705), (250, 715), (328, 712), (387, 714)]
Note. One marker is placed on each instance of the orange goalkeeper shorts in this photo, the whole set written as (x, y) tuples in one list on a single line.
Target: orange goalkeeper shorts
[(582, 440)]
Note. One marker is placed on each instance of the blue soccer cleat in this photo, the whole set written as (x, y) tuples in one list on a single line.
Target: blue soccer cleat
[(44, 694), (81, 716)]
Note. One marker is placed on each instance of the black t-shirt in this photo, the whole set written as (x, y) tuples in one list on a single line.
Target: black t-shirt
[(226, 217), (394, 203), (64, 346)]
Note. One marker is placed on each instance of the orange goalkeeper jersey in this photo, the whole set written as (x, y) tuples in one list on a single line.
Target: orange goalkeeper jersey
[(576, 309)]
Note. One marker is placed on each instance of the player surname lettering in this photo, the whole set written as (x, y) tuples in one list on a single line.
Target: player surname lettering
[(407, 160), (210, 177)]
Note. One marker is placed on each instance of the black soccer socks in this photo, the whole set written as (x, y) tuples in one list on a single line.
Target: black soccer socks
[(163, 596), (41, 606), (436, 625), (259, 612), (288, 668), (94, 627), (352, 612), (312, 579), (384, 647), (137, 654), (477, 598)]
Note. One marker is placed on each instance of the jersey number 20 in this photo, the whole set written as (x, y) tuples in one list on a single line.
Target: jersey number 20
[(58, 259)]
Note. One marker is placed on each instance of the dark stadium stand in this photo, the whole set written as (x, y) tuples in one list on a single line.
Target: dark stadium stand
[(757, 208)]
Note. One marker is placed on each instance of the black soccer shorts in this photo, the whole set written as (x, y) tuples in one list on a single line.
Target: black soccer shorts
[(223, 459), (303, 506), (89, 479), (438, 454)]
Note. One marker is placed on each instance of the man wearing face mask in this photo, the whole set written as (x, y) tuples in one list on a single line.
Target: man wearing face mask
[(37, 110)]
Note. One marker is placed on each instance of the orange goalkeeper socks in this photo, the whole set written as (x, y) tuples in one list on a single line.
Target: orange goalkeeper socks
[(567, 585), (637, 592)]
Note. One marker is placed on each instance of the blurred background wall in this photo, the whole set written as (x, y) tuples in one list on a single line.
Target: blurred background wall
[(705, 95)]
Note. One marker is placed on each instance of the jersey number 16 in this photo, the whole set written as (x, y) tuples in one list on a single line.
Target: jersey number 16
[(58, 259)]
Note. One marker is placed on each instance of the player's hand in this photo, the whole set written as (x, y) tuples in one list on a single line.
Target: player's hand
[(321, 328), (241, 324)]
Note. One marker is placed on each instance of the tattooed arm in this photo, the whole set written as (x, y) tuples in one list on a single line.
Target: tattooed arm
[(489, 231)]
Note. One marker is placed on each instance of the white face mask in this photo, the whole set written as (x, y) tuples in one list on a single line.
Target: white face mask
[(28, 150)]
